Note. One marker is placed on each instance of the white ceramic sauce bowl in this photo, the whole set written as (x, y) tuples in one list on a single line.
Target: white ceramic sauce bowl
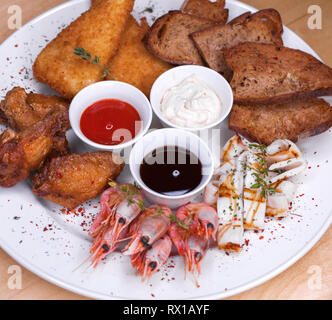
[(171, 137), (176, 75), (110, 90)]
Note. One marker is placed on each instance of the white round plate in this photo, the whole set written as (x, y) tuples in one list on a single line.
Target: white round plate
[(53, 244)]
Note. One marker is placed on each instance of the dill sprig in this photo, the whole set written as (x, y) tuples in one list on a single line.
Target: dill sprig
[(86, 56)]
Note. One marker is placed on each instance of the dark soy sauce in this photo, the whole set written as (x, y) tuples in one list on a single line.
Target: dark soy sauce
[(171, 171)]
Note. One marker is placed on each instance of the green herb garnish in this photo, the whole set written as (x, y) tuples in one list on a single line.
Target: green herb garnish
[(129, 192), (261, 183), (86, 56), (149, 10), (184, 223)]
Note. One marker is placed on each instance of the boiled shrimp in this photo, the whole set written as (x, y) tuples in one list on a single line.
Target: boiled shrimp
[(151, 225), (192, 227), (149, 261), (120, 205)]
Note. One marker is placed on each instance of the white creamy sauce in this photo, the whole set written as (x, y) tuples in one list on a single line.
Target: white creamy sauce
[(191, 104)]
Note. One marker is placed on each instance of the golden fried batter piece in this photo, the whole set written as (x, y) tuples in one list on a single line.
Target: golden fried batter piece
[(133, 63), (20, 153), (98, 31), (73, 179), (21, 110), (96, 2)]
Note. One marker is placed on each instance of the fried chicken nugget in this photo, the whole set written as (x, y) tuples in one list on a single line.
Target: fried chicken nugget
[(98, 31), (20, 110), (20, 153), (73, 179), (133, 63)]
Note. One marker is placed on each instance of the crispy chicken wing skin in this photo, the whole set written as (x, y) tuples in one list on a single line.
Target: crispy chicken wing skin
[(20, 110), (73, 179), (98, 31), (20, 153)]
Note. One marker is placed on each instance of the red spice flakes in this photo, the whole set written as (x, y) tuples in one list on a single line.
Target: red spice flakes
[(246, 241), (309, 167), (152, 295), (261, 237), (58, 174), (16, 45), (45, 229)]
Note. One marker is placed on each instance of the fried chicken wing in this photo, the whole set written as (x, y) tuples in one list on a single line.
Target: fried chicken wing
[(73, 179), (133, 63), (98, 31), (21, 110), (20, 153)]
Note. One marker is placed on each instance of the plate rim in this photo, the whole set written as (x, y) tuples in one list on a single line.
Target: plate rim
[(43, 274)]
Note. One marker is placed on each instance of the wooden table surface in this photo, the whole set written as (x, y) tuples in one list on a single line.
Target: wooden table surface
[(294, 283)]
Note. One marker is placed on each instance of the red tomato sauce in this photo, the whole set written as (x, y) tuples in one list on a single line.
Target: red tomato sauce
[(110, 122)]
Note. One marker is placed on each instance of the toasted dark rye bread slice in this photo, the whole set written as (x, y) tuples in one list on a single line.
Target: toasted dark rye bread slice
[(294, 121), (241, 18), (168, 38), (214, 11), (264, 26), (269, 13), (266, 74)]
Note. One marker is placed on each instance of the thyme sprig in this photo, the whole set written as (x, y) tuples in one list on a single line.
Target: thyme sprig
[(86, 56), (262, 172), (261, 183), (184, 223), (129, 193), (260, 147)]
